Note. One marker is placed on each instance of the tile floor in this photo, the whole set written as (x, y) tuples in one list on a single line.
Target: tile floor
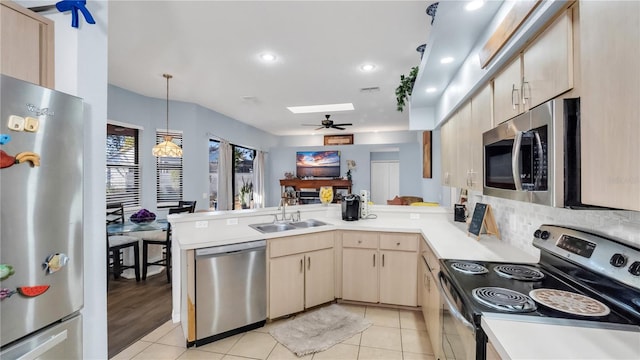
[(395, 334)]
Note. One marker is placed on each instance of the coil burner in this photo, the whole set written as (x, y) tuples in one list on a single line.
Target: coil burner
[(469, 268), (519, 272), (504, 299)]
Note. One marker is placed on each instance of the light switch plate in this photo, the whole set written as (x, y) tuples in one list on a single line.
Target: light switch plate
[(414, 216), (232, 221), (202, 224)]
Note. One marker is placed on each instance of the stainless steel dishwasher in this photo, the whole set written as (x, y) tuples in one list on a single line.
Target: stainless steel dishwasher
[(230, 292)]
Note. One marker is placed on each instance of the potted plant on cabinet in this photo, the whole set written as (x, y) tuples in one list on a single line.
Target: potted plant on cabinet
[(403, 91), (246, 191)]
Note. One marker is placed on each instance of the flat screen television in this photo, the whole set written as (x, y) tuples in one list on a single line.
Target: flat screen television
[(318, 164)]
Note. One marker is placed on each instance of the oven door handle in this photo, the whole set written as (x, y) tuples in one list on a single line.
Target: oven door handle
[(452, 307), (515, 160)]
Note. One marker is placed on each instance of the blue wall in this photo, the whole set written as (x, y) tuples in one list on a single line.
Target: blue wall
[(199, 124)]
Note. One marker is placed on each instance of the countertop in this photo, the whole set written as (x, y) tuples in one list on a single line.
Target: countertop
[(512, 337), (524, 337)]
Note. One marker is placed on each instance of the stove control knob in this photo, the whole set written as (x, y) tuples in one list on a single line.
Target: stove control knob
[(618, 260), (634, 268), (537, 233), (544, 235)]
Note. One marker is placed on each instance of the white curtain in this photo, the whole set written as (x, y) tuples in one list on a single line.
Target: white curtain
[(225, 169), (258, 180)]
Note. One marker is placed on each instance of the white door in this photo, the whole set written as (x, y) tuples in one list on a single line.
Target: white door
[(385, 181)]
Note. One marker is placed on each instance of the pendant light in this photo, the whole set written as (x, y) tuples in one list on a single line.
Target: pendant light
[(167, 148)]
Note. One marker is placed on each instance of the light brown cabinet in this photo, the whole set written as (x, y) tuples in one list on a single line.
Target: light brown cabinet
[(540, 72), (380, 267), (431, 301), (301, 272), (26, 41), (610, 129), (462, 142)]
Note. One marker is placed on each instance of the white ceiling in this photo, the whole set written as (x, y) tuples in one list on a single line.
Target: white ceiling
[(212, 49)]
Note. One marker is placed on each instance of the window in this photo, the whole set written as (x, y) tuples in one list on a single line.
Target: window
[(241, 177), (123, 170), (168, 174)]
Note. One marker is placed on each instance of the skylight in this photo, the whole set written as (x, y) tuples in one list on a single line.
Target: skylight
[(320, 108)]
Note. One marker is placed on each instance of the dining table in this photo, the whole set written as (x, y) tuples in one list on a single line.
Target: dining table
[(141, 231)]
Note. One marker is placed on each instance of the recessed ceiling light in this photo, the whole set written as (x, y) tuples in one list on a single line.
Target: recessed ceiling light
[(431, 89), (320, 108), (446, 60), (268, 57), (367, 67), (474, 5)]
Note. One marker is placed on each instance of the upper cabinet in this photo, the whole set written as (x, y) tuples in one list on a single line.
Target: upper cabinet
[(26, 39), (541, 72), (547, 65), (610, 129)]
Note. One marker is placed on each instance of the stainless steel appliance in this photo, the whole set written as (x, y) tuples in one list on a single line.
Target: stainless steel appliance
[(582, 279), (41, 219), (351, 207), (535, 157), (231, 290)]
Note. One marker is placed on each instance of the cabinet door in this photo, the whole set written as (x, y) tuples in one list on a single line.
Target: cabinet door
[(434, 316), (319, 278), (548, 63), (27, 45), (424, 288), (286, 285), (398, 278), (360, 274), (481, 121), (609, 53), (463, 152), (506, 92), (447, 149)]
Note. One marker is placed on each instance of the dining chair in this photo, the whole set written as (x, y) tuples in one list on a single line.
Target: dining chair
[(163, 239), (190, 204), (116, 243)]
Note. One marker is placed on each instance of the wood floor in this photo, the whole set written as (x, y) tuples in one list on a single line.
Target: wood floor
[(136, 309)]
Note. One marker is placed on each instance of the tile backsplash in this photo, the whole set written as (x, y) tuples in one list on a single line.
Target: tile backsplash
[(518, 220)]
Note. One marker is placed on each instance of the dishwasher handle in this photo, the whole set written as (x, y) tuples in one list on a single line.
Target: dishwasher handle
[(231, 248)]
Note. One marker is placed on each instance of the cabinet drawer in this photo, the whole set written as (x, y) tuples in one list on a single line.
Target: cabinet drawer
[(404, 242), (360, 239), (300, 243)]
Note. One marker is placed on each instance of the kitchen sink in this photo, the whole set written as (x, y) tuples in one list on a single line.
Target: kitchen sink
[(272, 227), (268, 228), (308, 223)]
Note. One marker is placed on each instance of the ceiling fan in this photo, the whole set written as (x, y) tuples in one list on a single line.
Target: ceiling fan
[(327, 124)]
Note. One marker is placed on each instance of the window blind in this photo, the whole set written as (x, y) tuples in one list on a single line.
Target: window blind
[(123, 170), (168, 174)]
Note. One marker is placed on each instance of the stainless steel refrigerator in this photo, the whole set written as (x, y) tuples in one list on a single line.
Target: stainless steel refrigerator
[(41, 182)]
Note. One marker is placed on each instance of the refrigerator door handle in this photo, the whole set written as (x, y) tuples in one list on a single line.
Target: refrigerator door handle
[(45, 346)]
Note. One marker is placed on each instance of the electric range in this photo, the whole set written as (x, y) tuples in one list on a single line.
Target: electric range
[(583, 279)]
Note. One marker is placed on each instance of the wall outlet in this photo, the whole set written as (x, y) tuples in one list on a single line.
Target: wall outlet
[(414, 216), (202, 224), (232, 221), (205, 195)]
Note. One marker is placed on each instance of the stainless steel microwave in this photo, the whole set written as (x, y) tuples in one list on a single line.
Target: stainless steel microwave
[(535, 157)]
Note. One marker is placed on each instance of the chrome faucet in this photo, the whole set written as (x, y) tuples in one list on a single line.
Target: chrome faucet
[(283, 206)]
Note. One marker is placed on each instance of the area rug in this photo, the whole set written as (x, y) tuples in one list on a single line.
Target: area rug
[(319, 330)]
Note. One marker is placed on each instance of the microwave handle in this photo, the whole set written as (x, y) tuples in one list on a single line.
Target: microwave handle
[(453, 309), (515, 160)]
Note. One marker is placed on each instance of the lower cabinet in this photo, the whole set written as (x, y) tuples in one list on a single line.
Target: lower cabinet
[(301, 273), (380, 267), (431, 301)]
